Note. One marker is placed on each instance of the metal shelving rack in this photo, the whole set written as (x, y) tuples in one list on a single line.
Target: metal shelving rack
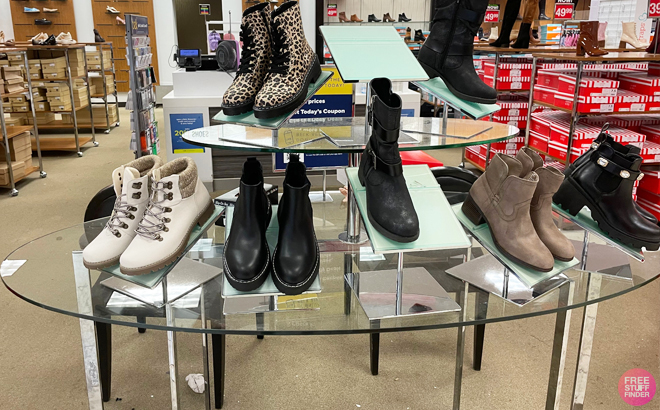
[(137, 31), (104, 95), (59, 144), (15, 131)]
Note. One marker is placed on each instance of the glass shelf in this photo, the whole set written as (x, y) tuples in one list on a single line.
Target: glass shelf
[(41, 272)]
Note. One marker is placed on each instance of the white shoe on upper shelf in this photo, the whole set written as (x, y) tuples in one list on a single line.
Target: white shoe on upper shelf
[(65, 38), (112, 10)]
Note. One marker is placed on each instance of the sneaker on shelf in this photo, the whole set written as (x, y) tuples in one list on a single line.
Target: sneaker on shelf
[(97, 37), (42, 22), (121, 21), (65, 38), (39, 39), (47, 10), (112, 10), (30, 10)]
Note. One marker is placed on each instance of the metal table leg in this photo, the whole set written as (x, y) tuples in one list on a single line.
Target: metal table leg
[(171, 349), (460, 347), (353, 219), (205, 354), (559, 346), (218, 342), (87, 332)]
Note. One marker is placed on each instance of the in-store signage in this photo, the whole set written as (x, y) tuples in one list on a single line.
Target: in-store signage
[(314, 161), (139, 25), (204, 9), (492, 13), (332, 10), (179, 124), (654, 9), (564, 9)]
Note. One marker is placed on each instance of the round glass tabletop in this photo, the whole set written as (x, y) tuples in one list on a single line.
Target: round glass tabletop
[(42, 273), (338, 135)]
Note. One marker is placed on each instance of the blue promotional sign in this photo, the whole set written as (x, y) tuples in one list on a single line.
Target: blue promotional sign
[(408, 112), (179, 124), (313, 161), (333, 105)]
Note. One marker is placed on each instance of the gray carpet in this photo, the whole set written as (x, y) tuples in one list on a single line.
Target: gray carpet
[(41, 362)]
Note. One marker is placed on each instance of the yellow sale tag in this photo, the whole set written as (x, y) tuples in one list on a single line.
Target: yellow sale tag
[(335, 85)]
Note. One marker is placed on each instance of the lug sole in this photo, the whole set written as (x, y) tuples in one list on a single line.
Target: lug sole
[(313, 74), (572, 198), (296, 289), (204, 216), (101, 265), (238, 109), (474, 214), (432, 72)]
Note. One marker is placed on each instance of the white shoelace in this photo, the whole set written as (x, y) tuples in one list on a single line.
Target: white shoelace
[(121, 210), (153, 221)]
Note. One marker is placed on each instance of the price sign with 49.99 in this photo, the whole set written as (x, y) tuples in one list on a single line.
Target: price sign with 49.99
[(564, 9)]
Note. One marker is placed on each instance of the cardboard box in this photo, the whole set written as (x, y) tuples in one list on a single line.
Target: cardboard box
[(76, 55), (40, 106), (14, 81), (11, 72), (28, 164), (14, 121), (77, 71), (57, 87), (98, 82), (18, 169), (58, 75), (20, 147), (35, 74), (15, 57), (18, 99), (34, 63), (20, 107), (53, 64)]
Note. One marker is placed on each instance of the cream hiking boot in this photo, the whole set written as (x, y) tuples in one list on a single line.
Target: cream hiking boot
[(131, 182), (178, 202)]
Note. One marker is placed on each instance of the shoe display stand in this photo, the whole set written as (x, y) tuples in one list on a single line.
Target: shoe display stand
[(411, 288), (13, 131), (105, 95), (65, 143), (142, 96), (631, 56), (61, 21)]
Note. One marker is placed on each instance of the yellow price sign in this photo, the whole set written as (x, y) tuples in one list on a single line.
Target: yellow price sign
[(335, 85)]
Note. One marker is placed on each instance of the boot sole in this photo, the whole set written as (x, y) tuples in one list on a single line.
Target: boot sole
[(238, 109), (474, 214), (298, 288), (383, 231), (257, 280), (313, 74), (433, 73), (572, 198), (204, 216), (101, 265)]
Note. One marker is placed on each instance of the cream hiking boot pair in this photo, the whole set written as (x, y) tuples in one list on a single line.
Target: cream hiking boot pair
[(157, 208)]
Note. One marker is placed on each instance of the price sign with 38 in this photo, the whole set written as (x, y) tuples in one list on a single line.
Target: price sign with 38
[(564, 10)]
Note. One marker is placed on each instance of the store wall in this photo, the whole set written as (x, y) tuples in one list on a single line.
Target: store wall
[(191, 26), (6, 24), (84, 26), (165, 40)]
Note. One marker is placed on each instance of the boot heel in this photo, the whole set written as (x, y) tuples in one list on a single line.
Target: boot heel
[(206, 215), (471, 210), (580, 50), (568, 198), (622, 44), (316, 70)]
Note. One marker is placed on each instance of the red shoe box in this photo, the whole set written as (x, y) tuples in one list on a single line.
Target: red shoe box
[(508, 83), (512, 112), (652, 132), (538, 141), (586, 104), (651, 153), (653, 208), (558, 151), (544, 94), (590, 85), (640, 83), (583, 134), (554, 164), (480, 73), (508, 69), (651, 180), (548, 78), (514, 143), (628, 101), (654, 69), (625, 136), (519, 121), (472, 153)]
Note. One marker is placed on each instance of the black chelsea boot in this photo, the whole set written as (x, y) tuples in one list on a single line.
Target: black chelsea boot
[(604, 182), (389, 206), (246, 255), (296, 258)]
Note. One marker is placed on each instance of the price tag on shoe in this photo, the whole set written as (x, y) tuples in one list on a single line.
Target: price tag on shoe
[(564, 9)]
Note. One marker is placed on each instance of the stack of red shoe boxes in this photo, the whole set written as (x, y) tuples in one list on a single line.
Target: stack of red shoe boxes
[(644, 84), (513, 74)]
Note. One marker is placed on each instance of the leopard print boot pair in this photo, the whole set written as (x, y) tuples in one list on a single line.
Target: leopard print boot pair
[(293, 66)]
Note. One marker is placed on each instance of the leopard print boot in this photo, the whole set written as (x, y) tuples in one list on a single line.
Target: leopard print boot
[(293, 66), (255, 59)]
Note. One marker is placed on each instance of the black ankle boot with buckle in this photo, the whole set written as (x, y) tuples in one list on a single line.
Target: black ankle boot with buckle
[(603, 182), (389, 206)]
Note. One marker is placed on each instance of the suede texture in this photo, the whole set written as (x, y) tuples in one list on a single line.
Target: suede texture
[(186, 168), (504, 199)]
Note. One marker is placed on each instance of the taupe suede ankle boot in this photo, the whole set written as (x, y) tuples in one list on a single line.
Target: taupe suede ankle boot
[(550, 179), (501, 197)]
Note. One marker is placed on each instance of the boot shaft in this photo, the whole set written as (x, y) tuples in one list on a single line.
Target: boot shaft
[(290, 47)]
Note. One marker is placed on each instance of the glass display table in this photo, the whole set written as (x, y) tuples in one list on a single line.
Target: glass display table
[(48, 273)]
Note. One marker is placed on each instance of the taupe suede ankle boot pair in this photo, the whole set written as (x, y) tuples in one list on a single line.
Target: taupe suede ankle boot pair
[(514, 197)]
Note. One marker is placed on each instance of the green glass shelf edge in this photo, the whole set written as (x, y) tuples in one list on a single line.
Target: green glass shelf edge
[(268, 288), (529, 277), (584, 220), (248, 119), (154, 278), (438, 89), (439, 228), (364, 53)]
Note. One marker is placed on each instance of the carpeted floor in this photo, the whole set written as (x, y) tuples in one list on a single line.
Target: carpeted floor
[(41, 363)]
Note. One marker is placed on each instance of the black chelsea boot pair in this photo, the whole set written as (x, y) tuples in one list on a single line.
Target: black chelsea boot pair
[(247, 258)]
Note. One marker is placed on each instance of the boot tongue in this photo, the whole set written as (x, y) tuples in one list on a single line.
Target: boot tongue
[(122, 176)]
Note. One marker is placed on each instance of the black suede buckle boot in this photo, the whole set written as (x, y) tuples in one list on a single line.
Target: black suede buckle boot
[(246, 254), (447, 51), (389, 206), (296, 258), (604, 183), (605, 138)]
